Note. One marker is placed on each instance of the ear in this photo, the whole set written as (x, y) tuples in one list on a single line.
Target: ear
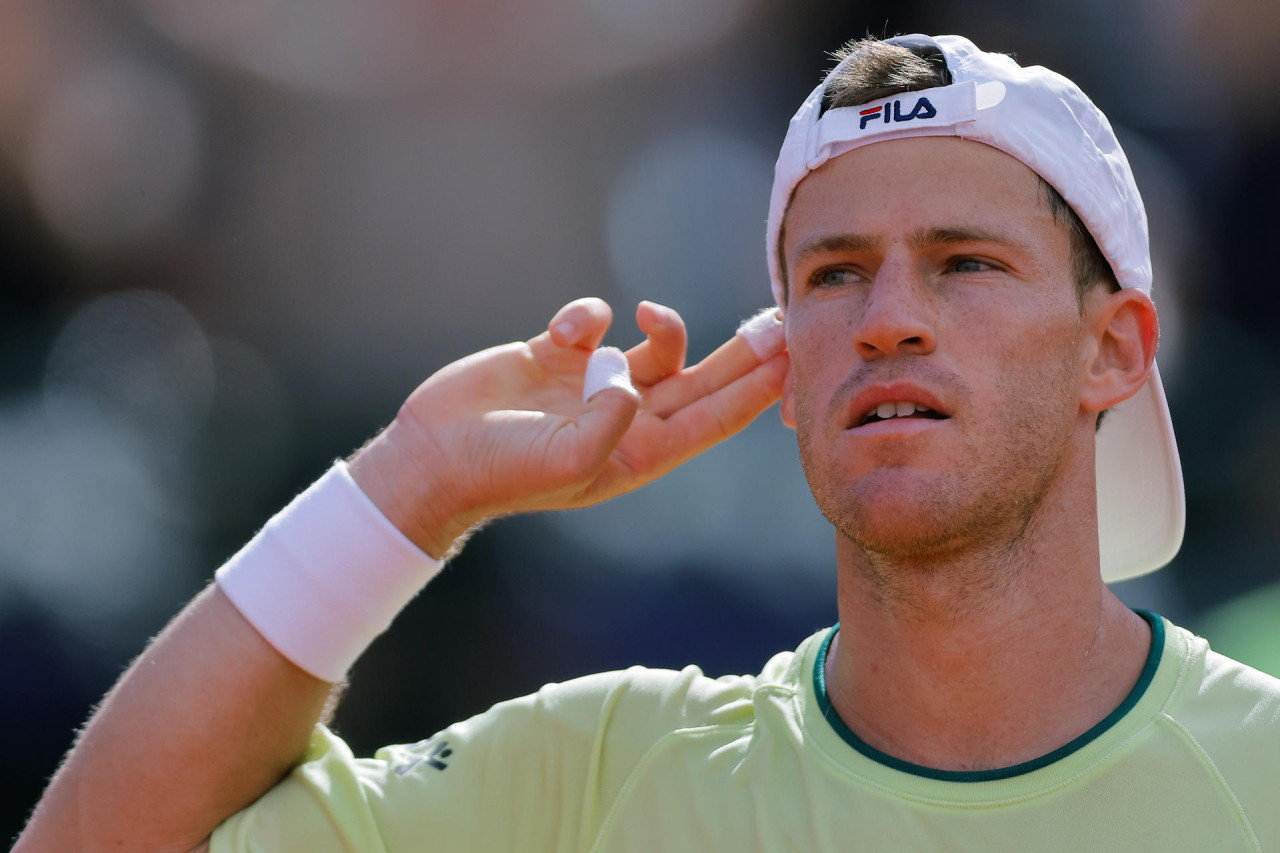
[(787, 407), (1124, 331)]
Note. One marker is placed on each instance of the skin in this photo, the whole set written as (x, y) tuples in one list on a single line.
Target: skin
[(929, 270), (210, 716)]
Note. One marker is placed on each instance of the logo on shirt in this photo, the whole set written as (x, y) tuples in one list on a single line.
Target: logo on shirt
[(434, 757), (893, 112)]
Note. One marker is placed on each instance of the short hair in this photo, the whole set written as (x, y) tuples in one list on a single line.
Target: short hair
[(874, 69)]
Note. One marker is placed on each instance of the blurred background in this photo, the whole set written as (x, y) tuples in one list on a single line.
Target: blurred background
[(233, 237)]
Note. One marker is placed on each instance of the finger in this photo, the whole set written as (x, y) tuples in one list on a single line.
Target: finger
[(581, 323), (732, 360), (765, 333), (715, 417), (606, 368), (662, 352), (596, 432)]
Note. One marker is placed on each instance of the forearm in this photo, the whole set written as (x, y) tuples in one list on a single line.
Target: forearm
[(221, 704), (206, 720)]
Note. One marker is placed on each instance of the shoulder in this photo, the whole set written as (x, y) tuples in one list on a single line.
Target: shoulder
[(1254, 693), (1230, 712), (641, 704), (640, 699), (1224, 696)]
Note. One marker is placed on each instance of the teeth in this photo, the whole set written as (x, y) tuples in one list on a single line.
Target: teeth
[(897, 409)]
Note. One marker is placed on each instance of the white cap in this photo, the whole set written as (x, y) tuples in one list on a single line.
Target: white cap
[(1043, 120)]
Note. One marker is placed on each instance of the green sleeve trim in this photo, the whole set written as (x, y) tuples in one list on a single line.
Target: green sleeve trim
[(830, 715)]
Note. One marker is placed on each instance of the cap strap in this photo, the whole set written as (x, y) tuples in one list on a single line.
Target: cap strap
[(904, 114)]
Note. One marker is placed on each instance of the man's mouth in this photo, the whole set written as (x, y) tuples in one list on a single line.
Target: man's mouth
[(899, 409)]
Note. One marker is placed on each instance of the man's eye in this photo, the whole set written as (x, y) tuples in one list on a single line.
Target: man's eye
[(970, 265), (835, 278)]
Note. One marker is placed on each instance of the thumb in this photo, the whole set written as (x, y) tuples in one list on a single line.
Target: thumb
[(606, 368), (611, 402)]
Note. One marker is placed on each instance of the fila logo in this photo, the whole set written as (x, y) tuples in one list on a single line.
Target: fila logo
[(922, 109)]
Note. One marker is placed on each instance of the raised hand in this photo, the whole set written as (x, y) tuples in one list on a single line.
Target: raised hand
[(506, 430), (214, 713)]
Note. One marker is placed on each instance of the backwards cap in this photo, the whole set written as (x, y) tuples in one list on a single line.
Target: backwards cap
[(1043, 120)]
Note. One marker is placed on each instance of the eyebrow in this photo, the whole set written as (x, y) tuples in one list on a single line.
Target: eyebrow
[(834, 243), (921, 238), (925, 237)]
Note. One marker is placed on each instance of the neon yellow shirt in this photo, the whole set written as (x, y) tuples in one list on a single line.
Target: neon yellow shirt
[(653, 760)]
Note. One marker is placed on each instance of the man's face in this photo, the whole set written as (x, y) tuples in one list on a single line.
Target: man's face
[(929, 282)]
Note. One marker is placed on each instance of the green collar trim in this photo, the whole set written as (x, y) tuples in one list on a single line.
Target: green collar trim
[(830, 715)]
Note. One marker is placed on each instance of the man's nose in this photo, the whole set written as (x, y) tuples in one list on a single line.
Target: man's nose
[(897, 315)]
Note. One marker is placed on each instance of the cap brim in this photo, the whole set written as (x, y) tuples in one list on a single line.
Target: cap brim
[(1141, 504)]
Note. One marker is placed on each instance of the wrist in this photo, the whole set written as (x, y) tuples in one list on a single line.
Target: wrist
[(325, 576), (406, 477)]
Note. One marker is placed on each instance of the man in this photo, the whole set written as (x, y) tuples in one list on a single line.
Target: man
[(961, 258)]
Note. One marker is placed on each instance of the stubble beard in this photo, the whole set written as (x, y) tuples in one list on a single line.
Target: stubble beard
[(976, 513)]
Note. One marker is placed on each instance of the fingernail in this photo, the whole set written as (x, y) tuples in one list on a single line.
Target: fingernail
[(659, 313), (566, 330), (765, 333), (606, 368)]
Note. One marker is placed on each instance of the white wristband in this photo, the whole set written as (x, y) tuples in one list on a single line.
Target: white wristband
[(326, 576)]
